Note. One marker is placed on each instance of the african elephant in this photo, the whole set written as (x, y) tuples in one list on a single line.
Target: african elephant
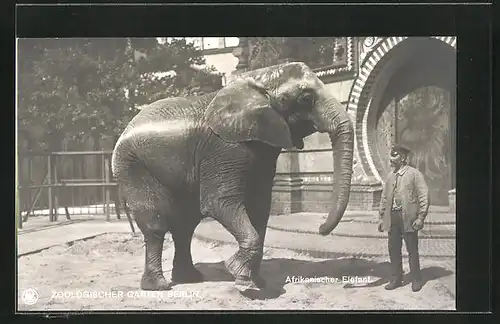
[(182, 159)]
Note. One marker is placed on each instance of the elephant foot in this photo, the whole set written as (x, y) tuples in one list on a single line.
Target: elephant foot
[(244, 280), (246, 283), (238, 267), (151, 282), (186, 275)]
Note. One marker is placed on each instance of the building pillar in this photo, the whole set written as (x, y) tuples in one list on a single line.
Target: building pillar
[(288, 185), (365, 196), (453, 128), (242, 53)]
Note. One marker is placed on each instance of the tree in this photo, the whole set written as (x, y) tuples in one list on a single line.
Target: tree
[(73, 89), (181, 63)]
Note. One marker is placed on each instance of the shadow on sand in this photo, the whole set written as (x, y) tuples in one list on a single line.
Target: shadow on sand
[(276, 271)]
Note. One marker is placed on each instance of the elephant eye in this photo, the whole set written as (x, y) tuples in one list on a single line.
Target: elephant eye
[(307, 98)]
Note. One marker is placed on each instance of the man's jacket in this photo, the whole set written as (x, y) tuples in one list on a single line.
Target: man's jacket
[(414, 198)]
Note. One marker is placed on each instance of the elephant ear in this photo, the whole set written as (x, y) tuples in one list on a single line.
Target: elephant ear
[(242, 111)]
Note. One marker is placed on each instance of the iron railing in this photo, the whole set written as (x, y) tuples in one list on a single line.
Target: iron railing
[(79, 182), (71, 180)]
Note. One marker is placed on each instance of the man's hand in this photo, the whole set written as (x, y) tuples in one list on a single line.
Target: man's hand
[(380, 224), (418, 224)]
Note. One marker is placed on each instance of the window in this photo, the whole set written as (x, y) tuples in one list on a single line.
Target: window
[(211, 43), (231, 41)]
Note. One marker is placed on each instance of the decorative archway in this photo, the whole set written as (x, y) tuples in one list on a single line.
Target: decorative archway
[(361, 95)]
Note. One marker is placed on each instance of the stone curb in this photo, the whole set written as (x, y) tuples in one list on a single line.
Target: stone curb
[(71, 242), (332, 244), (376, 236), (355, 220), (58, 244), (321, 254), (51, 226)]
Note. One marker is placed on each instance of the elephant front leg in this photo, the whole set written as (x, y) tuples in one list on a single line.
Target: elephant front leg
[(259, 206), (235, 219), (259, 216), (258, 202), (223, 185), (241, 264), (257, 261)]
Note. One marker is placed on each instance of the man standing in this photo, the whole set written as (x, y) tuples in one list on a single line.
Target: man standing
[(403, 208)]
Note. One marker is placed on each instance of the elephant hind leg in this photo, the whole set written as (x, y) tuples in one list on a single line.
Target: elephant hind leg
[(152, 278), (183, 270), (152, 206)]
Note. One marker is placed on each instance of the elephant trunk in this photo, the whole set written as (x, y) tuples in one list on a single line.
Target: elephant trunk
[(338, 125)]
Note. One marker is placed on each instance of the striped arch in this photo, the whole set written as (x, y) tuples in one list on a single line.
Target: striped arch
[(359, 98)]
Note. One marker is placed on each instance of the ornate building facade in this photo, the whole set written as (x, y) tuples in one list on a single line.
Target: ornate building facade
[(395, 89)]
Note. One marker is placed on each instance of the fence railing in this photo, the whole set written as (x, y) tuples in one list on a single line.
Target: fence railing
[(64, 180), (79, 181)]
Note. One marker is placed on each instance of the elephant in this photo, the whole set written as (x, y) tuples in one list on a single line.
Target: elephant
[(182, 159)]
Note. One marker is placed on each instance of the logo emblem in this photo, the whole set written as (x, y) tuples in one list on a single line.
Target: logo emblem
[(30, 296)]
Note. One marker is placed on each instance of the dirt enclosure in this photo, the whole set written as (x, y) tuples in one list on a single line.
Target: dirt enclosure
[(103, 273)]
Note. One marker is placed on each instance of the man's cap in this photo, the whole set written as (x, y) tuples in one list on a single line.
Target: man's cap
[(402, 150)]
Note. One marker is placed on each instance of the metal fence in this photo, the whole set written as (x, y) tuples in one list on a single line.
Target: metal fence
[(73, 183)]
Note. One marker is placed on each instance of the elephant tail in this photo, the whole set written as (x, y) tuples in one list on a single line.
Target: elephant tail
[(127, 212), (122, 200)]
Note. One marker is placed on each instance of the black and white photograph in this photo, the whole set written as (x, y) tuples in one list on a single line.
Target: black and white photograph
[(236, 173)]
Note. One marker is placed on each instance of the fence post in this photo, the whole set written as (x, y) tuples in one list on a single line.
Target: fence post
[(106, 188), (56, 190), (28, 181), (49, 176), (103, 178), (18, 208)]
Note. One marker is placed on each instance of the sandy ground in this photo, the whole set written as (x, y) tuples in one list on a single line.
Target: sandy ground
[(103, 273)]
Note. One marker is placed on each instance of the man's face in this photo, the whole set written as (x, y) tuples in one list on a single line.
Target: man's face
[(396, 160)]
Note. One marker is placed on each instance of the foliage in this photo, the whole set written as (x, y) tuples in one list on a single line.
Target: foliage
[(72, 89)]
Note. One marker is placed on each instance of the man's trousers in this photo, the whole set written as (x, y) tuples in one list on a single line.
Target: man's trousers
[(396, 235)]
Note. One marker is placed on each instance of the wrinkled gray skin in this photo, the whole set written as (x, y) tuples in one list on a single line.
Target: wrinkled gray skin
[(182, 159)]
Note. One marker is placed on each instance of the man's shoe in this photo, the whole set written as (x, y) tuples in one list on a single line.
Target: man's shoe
[(416, 285), (393, 285)]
